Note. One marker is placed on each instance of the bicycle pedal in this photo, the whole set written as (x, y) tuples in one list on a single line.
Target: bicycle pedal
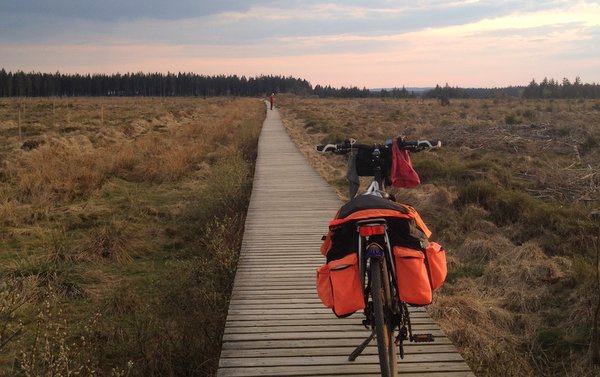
[(402, 335), (422, 338)]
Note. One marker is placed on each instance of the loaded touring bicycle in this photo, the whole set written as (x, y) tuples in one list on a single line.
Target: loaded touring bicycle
[(379, 257)]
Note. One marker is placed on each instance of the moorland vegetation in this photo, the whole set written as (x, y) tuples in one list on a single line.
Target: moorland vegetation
[(120, 223)]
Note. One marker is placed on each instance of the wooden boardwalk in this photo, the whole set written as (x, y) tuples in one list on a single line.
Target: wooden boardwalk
[(276, 325)]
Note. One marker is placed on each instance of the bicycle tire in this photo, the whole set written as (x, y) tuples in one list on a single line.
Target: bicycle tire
[(381, 294)]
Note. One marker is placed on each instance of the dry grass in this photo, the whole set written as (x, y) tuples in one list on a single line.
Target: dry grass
[(104, 203), (508, 196)]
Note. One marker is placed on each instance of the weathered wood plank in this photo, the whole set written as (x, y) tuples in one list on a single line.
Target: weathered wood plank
[(357, 334), (343, 350), (437, 358), (348, 369), (428, 327), (299, 344), (299, 314)]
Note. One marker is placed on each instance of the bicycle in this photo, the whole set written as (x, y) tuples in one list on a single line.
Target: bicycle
[(385, 312)]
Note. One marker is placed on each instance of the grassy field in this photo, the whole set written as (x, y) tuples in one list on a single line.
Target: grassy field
[(510, 196), (120, 223)]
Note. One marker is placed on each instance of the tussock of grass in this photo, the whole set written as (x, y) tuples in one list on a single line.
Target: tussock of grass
[(62, 172), (483, 333), (110, 241)]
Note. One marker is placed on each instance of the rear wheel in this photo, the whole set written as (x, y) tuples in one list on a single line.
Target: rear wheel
[(382, 313)]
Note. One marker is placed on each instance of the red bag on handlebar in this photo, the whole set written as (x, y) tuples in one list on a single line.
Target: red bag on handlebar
[(402, 174)]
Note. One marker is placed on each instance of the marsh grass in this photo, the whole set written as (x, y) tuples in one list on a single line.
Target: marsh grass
[(508, 195), (127, 213)]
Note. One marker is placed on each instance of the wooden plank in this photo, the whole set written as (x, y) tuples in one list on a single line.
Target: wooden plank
[(437, 358), (299, 344), (247, 316), (348, 334), (427, 327), (348, 369), (343, 350), (357, 318)]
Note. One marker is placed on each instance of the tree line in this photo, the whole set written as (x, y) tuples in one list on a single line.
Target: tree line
[(36, 84), (553, 89), (545, 89)]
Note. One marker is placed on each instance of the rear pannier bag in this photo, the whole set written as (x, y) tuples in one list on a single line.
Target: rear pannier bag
[(414, 287), (421, 265), (324, 289), (405, 226), (339, 286), (436, 260)]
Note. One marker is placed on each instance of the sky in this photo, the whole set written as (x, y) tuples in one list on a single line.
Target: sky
[(373, 43)]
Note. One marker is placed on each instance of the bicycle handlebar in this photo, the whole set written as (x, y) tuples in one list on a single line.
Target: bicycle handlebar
[(347, 146)]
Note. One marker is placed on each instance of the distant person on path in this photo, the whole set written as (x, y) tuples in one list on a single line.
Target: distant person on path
[(272, 100)]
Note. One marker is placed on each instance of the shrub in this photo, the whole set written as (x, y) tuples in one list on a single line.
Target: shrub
[(513, 119), (431, 168), (483, 193), (335, 137), (529, 114), (61, 348), (590, 143)]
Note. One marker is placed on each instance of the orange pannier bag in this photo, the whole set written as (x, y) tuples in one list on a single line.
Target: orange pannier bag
[(436, 261), (339, 286), (421, 265), (414, 287), (324, 289)]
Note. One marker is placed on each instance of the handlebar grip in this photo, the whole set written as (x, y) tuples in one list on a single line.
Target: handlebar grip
[(322, 148), (429, 144)]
